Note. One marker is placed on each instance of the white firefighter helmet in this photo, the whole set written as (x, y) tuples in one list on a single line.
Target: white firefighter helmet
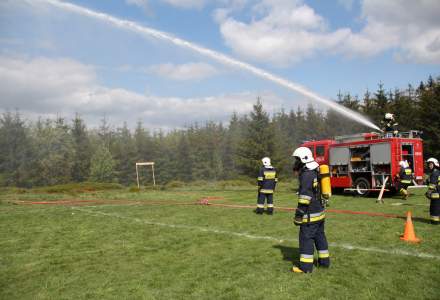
[(266, 161), (403, 163), (306, 157), (389, 116), (434, 161)]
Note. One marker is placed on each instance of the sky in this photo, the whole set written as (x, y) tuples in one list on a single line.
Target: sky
[(56, 63)]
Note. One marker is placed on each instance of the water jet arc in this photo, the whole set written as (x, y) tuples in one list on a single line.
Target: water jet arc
[(221, 58)]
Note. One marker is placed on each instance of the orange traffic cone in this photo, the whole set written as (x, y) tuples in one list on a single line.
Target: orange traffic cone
[(409, 235)]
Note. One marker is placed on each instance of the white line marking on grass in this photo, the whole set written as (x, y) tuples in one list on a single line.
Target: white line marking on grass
[(113, 205), (239, 234), (410, 204), (259, 237), (384, 251)]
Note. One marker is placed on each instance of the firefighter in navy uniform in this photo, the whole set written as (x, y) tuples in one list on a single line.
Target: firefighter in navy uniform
[(405, 179), (310, 213), (433, 192), (389, 125), (267, 180)]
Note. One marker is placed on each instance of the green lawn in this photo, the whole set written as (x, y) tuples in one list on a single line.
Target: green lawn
[(121, 246)]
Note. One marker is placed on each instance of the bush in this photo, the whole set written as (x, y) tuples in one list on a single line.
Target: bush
[(12, 190), (287, 185), (133, 189), (102, 165), (224, 184), (80, 187), (174, 184), (199, 183)]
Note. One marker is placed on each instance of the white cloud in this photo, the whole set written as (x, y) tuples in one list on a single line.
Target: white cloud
[(281, 32), (198, 4), (22, 80), (192, 4), (186, 3), (346, 4), (288, 31), (410, 27), (188, 71), (141, 3), (227, 7), (47, 87)]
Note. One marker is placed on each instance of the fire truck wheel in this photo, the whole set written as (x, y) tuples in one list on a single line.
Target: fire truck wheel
[(362, 185)]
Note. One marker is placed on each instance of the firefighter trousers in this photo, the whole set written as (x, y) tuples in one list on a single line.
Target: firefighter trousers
[(403, 189), (434, 211), (264, 197), (312, 235)]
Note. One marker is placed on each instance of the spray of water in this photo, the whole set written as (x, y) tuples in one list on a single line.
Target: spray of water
[(224, 59)]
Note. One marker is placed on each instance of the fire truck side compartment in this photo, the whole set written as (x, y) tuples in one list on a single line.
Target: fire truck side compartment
[(380, 154), (339, 156)]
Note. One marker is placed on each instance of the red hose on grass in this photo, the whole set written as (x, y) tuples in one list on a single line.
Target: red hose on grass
[(337, 211), (204, 201)]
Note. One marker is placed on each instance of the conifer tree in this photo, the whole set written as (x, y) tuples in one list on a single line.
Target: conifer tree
[(381, 104), (184, 162), (314, 125), (429, 119), (405, 110), (145, 150), (231, 140), (102, 165), (258, 141), (15, 154), (82, 150), (124, 153), (54, 152)]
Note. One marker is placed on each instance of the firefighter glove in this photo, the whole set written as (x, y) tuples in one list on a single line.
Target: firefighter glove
[(297, 220), (298, 217)]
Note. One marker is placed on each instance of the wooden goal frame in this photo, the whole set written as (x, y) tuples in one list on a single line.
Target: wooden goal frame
[(148, 163)]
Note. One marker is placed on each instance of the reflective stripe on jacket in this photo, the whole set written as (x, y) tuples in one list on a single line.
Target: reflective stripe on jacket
[(310, 208), (267, 180)]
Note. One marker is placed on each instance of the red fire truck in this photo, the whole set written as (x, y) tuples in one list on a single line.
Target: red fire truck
[(364, 162)]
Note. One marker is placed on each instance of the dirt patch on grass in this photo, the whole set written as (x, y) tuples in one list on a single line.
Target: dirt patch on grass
[(74, 202), (93, 202), (208, 200)]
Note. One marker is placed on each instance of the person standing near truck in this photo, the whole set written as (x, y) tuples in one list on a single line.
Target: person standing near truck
[(405, 179), (433, 190), (310, 213)]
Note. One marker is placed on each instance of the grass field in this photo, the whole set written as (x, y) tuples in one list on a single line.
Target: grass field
[(157, 244)]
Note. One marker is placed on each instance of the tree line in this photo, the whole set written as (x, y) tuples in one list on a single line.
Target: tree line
[(57, 151)]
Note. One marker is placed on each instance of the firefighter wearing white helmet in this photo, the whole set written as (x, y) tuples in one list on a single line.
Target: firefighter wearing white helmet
[(433, 192), (310, 213), (389, 125), (267, 180), (405, 178)]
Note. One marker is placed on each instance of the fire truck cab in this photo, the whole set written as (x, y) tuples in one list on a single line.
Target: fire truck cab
[(363, 162)]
